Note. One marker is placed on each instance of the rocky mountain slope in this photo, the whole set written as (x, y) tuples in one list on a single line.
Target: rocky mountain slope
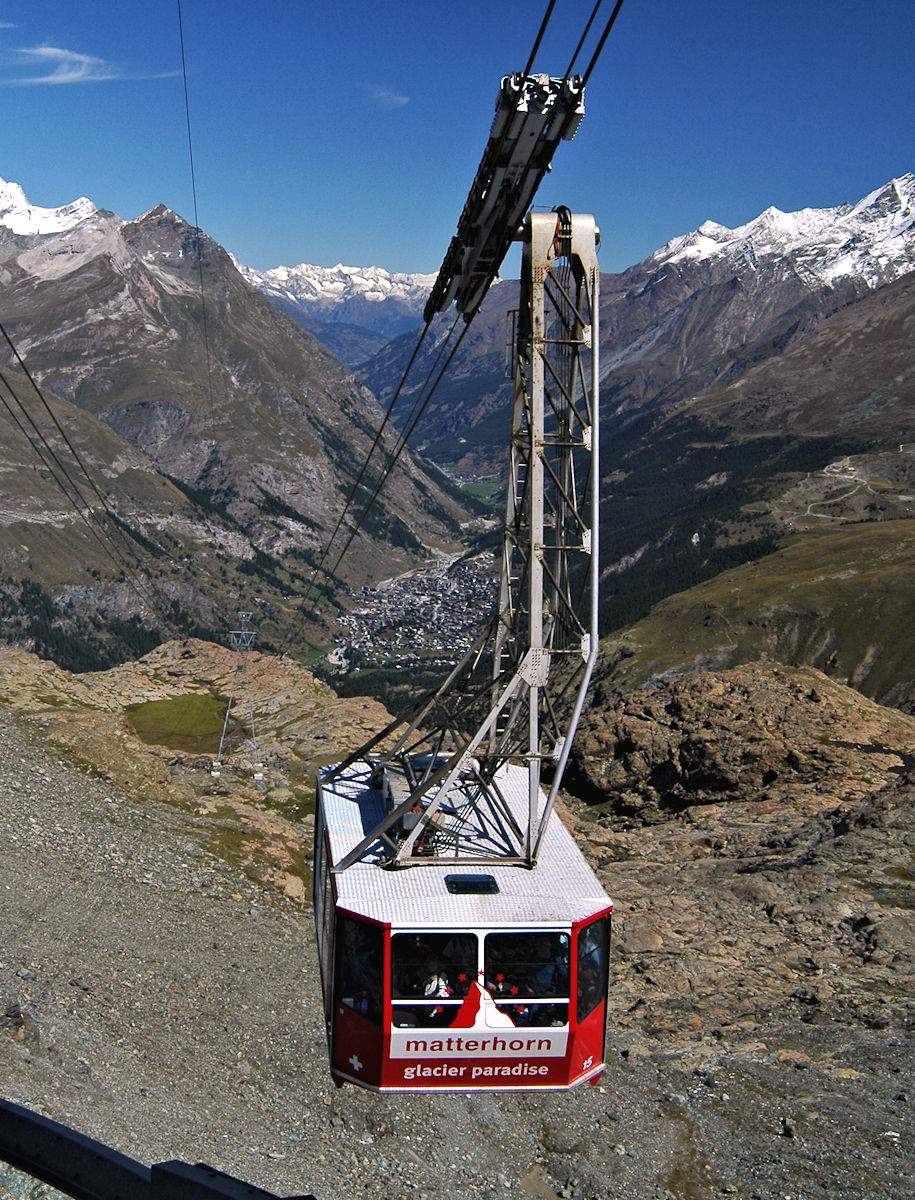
[(158, 985), (700, 311), (154, 727), (733, 363), (226, 400)]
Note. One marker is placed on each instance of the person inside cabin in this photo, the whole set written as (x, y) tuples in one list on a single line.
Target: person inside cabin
[(431, 982), (436, 982), (360, 971)]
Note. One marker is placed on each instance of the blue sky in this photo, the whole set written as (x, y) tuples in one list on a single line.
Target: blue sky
[(350, 131)]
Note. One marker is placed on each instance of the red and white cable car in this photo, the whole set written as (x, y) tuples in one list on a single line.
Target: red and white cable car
[(463, 939), (463, 977)]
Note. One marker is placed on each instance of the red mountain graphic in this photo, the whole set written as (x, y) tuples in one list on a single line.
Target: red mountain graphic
[(479, 1011)]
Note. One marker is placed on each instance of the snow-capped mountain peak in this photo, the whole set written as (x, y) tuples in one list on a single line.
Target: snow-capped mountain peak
[(331, 286), (873, 239), (385, 302), (28, 220)]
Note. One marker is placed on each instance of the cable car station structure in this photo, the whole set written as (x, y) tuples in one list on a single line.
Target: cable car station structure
[(462, 937)]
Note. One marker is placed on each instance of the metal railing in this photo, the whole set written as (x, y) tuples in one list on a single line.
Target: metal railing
[(86, 1169)]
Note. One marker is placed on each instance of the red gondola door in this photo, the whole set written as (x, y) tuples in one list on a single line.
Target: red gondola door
[(589, 999), (361, 1013)]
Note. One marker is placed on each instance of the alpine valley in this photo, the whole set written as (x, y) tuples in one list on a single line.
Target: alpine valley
[(221, 439), (758, 443), (750, 811), (758, 450)]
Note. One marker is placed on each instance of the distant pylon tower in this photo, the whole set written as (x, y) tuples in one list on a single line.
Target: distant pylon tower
[(241, 640)]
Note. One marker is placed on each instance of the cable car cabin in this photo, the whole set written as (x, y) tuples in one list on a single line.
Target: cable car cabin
[(454, 978)]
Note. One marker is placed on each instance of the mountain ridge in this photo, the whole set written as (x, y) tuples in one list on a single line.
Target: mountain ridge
[(870, 237), (698, 312), (20, 217), (148, 328), (734, 377), (862, 236), (354, 310)]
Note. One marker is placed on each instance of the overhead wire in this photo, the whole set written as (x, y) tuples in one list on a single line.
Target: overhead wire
[(582, 39), (198, 236), (540, 34), (600, 45), (402, 443), (47, 456), (378, 436), (53, 417), (394, 454)]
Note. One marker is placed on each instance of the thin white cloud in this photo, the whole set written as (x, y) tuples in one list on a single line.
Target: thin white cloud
[(387, 98), (55, 66), (64, 67)]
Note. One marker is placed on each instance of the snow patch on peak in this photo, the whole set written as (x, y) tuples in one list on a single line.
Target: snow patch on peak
[(28, 220)]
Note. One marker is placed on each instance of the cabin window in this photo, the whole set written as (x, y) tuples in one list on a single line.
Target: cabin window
[(527, 974), (360, 967), (437, 968), (593, 961)]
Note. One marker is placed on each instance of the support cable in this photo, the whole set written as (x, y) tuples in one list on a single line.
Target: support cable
[(71, 488), (581, 40), (539, 38), (365, 464), (404, 438), (52, 415), (419, 407), (197, 231), (603, 38)]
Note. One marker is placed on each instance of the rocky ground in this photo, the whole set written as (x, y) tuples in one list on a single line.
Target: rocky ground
[(158, 984)]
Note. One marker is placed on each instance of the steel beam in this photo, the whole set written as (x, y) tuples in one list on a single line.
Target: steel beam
[(81, 1167)]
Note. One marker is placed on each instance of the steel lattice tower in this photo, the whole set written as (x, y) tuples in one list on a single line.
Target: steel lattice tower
[(517, 695), (241, 641)]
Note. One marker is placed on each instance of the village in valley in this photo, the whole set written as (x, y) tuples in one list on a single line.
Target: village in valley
[(428, 617)]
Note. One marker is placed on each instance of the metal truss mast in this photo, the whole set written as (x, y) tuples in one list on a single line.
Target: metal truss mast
[(517, 695)]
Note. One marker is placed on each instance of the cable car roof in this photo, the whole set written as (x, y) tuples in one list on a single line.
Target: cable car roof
[(562, 888)]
